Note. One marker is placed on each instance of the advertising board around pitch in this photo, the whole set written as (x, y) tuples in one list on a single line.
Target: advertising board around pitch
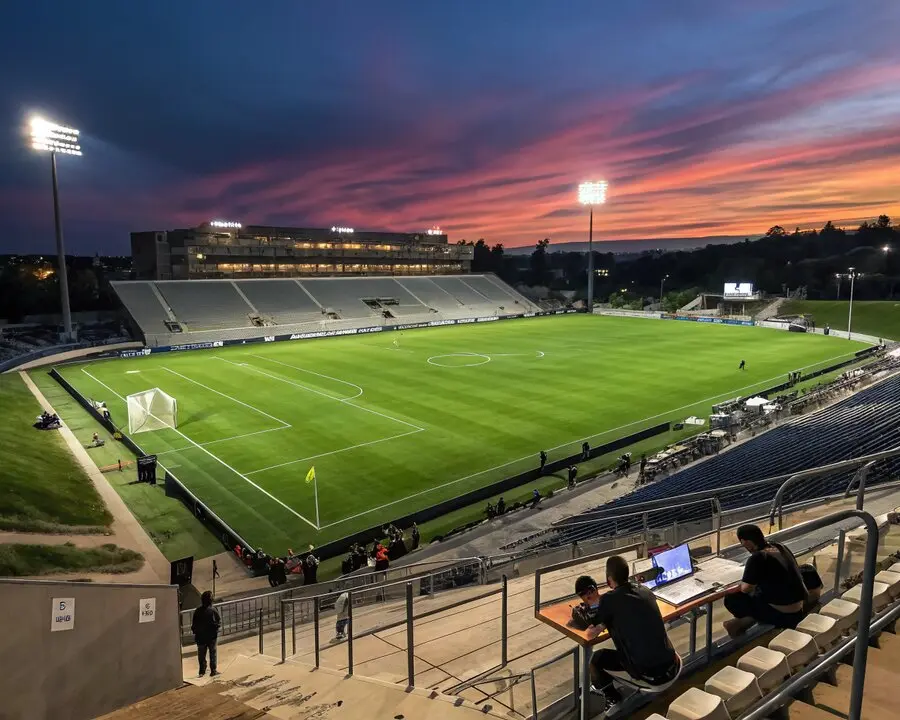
[(62, 614)]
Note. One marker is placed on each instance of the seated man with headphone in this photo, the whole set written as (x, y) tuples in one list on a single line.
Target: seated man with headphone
[(643, 655)]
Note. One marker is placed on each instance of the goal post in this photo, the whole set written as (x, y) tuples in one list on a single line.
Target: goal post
[(151, 410)]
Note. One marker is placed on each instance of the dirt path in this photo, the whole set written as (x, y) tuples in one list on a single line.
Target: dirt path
[(126, 531)]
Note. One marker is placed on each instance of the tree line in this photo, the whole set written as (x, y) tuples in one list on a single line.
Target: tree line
[(818, 261)]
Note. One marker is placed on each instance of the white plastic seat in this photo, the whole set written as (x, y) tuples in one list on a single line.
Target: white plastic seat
[(738, 688), (799, 647), (624, 678), (770, 666), (894, 568), (655, 716), (694, 704), (892, 580), (846, 613), (880, 596), (824, 629)]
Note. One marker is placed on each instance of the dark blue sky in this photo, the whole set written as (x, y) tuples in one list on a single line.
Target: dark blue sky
[(708, 117)]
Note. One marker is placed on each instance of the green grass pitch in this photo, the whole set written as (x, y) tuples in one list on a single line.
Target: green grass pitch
[(396, 422)]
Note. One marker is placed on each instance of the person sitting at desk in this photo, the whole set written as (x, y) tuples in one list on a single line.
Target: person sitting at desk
[(774, 590), (631, 615)]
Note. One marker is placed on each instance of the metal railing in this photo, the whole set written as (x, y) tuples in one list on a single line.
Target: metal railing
[(240, 616), (867, 462), (362, 597)]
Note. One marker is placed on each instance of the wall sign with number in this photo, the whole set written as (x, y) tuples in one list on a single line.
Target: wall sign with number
[(147, 610), (62, 614)]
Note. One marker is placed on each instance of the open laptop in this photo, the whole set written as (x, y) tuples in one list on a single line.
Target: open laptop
[(676, 583)]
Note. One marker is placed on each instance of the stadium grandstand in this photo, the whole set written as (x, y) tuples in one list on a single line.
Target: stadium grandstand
[(180, 312), (225, 249)]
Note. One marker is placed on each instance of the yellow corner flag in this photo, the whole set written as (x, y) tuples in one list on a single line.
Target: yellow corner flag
[(311, 475)]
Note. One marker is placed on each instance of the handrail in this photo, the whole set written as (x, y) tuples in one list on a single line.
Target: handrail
[(860, 476), (823, 470), (861, 642), (278, 593)]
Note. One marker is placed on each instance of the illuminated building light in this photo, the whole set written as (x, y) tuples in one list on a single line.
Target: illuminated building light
[(342, 230), (225, 224)]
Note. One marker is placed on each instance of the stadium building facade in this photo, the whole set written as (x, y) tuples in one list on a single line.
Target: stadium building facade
[(225, 249)]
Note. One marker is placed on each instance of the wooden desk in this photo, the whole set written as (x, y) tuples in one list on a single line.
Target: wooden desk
[(559, 616)]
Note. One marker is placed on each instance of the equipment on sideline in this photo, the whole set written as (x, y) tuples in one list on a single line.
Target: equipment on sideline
[(151, 410)]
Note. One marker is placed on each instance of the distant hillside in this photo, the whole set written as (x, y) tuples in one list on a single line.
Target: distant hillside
[(637, 246), (880, 318)]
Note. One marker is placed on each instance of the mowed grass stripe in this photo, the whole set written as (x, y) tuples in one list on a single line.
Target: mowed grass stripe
[(600, 377)]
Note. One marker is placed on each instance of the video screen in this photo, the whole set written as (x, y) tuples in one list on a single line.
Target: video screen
[(675, 564)]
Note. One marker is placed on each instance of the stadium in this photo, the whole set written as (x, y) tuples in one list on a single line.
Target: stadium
[(345, 394)]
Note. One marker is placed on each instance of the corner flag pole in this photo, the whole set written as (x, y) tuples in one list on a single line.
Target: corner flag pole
[(316, 493)]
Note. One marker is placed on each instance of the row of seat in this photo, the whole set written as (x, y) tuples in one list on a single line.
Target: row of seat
[(859, 425), (733, 689), (220, 304)]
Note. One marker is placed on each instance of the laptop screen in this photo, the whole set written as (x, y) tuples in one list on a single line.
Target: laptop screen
[(675, 564)]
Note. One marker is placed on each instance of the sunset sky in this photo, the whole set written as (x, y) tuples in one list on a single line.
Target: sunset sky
[(707, 117)]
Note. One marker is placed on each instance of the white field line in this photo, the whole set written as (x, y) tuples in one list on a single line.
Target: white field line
[(214, 457), (334, 452), (319, 392), (228, 439), (736, 392), (233, 399), (327, 377)]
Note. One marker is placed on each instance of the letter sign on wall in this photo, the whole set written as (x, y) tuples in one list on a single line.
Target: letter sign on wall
[(147, 610), (62, 616)]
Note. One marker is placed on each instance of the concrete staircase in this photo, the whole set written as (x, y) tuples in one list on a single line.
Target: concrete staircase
[(251, 687), (770, 310)]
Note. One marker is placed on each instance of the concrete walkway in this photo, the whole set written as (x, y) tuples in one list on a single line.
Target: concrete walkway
[(125, 530)]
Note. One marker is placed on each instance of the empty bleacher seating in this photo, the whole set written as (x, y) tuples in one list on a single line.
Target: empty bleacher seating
[(238, 309), (214, 305), (285, 302), (859, 425)]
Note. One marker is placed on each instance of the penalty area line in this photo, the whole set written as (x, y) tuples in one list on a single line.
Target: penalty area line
[(573, 442), (216, 458)]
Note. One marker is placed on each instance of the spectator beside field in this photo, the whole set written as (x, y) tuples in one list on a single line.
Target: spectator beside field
[(573, 474), (310, 568), (585, 450), (382, 559), (501, 506), (205, 626), (543, 457), (414, 533)]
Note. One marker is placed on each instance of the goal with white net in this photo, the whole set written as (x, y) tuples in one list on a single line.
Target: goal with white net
[(151, 410)]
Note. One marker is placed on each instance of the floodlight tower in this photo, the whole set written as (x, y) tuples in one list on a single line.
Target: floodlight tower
[(50, 137), (590, 194), (853, 275)]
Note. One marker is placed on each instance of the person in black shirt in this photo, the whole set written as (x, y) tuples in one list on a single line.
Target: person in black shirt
[(630, 613), (585, 450), (543, 457), (205, 626), (773, 590)]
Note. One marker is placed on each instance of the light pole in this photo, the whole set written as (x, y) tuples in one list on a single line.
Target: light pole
[(850, 312), (590, 194), (661, 283), (49, 137)]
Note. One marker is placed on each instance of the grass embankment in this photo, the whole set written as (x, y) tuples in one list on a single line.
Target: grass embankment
[(167, 520), (42, 489), (31, 560), (880, 318)]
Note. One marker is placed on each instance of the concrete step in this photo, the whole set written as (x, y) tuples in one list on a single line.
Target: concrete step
[(879, 697), (802, 711)]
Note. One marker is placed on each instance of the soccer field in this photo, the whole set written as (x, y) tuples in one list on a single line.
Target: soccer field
[(394, 422)]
